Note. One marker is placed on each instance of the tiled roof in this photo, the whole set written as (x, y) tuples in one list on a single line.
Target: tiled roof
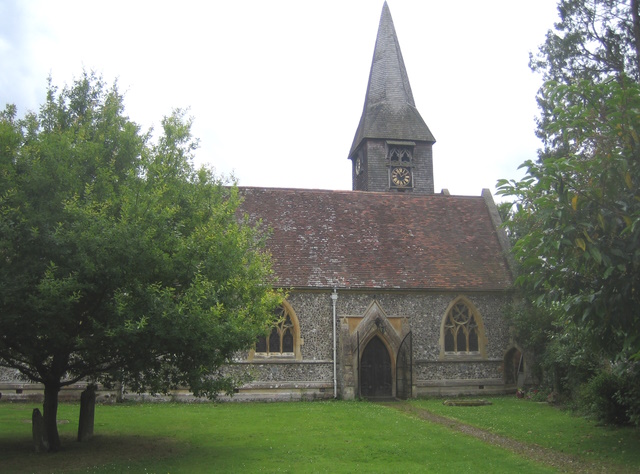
[(389, 108), (353, 239)]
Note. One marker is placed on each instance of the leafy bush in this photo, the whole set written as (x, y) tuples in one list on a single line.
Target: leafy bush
[(629, 393), (600, 397), (531, 327), (568, 360), (538, 395)]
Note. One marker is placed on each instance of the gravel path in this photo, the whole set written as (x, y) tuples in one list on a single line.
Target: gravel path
[(562, 462)]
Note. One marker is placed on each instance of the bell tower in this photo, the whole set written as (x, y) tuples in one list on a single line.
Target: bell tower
[(392, 148)]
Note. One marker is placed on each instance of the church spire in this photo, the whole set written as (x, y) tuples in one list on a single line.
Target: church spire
[(389, 109)]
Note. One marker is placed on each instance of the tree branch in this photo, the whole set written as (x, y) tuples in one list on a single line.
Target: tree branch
[(635, 14)]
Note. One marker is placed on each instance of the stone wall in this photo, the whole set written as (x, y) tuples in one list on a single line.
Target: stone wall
[(422, 313)]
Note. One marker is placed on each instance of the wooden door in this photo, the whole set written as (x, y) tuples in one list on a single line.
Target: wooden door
[(375, 370)]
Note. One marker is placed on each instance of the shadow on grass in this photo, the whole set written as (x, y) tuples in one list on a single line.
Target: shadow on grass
[(102, 450)]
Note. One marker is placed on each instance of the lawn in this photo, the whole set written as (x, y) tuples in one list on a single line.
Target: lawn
[(549, 427), (260, 437)]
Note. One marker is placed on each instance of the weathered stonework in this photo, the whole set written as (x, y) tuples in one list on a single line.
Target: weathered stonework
[(397, 313), (362, 315)]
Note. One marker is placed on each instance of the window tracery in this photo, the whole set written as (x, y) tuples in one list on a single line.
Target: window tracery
[(400, 154), (461, 331), (281, 341)]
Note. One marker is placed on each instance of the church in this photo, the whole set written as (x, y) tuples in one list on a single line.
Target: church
[(393, 290)]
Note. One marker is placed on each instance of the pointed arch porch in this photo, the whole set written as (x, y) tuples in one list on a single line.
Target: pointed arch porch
[(376, 343)]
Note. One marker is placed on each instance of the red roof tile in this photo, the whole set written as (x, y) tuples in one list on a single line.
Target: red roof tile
[(353, 239)]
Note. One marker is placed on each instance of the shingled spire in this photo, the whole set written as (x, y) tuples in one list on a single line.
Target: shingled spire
[(389, 113)]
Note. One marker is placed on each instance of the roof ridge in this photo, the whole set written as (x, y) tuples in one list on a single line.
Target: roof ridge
[(372, 193)]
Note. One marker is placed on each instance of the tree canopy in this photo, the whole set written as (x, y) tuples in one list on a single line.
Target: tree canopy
[(119, 260), (577, 210), (593, 39), (581, 213)]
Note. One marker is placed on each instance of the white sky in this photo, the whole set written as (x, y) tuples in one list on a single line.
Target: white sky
[(277, 87)]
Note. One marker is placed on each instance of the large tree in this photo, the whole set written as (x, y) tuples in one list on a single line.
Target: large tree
[(593, 39), (119, 260), (577, 210)]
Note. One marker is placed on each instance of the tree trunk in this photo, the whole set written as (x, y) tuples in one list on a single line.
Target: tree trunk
[(50, 415), (120, 392)]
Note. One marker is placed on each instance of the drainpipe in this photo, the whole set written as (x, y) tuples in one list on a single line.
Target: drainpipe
[(334, 299)]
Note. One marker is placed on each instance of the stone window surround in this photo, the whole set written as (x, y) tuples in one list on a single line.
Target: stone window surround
[(482, 340), (263, 357)]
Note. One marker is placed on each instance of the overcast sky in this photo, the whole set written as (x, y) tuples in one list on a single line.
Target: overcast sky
[(276, 88)]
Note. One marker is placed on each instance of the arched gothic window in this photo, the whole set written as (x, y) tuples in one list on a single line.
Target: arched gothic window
[(461, 330), (283, 338)]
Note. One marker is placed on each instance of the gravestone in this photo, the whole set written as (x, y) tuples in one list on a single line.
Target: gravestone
[(466, 403), (40, 443), (87, 413)]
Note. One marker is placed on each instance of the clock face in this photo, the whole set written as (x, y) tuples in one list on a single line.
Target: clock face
[(400, 176)]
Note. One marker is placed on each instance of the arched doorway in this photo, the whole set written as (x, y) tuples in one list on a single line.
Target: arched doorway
[(375, 370), (514, 367)]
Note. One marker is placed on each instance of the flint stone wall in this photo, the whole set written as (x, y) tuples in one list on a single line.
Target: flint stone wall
[(423, 312)]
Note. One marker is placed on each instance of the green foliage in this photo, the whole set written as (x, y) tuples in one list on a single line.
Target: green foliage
[(629, 394), (576, 213), (537, 395), (505, 210), (568, 359), (613, 395), (594, 39), (119, 260), (599, 397), (559, 352), (577, 210), (582, 211), (532, 327)]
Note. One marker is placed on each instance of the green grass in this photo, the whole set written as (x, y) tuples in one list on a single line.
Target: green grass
[(547, 426), (278, 437)]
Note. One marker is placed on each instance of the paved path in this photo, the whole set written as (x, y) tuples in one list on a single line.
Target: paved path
[(562, 462)]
